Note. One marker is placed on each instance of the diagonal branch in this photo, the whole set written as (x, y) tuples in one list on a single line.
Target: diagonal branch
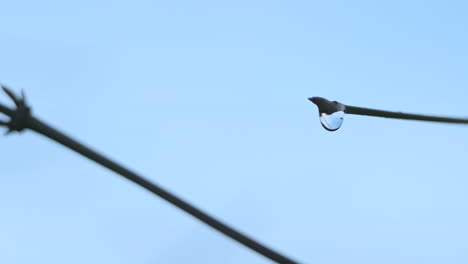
[(21, 118)]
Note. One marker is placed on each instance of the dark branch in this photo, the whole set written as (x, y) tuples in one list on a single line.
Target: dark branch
[(21, 118)]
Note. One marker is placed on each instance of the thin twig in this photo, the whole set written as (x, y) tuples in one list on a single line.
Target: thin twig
[(399, 115)]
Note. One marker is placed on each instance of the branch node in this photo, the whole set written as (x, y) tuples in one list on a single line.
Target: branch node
[(19, 117)]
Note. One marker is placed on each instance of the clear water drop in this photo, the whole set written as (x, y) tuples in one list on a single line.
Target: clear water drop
[(332, 122), (331, 113)]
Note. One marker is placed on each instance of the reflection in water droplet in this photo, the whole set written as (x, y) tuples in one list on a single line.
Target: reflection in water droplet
[(333, 121)]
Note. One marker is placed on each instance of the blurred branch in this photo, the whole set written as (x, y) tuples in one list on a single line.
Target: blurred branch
[(21, 118)]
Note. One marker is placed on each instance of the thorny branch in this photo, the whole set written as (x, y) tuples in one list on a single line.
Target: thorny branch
[(19, 117)]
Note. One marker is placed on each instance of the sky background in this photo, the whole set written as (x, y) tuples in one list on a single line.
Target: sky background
[(209, 100)]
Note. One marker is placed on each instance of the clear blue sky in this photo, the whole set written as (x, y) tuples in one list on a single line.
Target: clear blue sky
[(209, 100)]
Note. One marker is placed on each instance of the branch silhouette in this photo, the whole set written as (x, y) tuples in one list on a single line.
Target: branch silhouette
[(328, 108), (21, 118)]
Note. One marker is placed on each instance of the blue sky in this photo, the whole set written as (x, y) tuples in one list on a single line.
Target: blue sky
[(209, 100)]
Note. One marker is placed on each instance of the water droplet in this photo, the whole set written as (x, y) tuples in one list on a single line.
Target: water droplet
[(333, 121), (331, 113)]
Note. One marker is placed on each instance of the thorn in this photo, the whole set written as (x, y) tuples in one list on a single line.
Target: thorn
[(11, 95)]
